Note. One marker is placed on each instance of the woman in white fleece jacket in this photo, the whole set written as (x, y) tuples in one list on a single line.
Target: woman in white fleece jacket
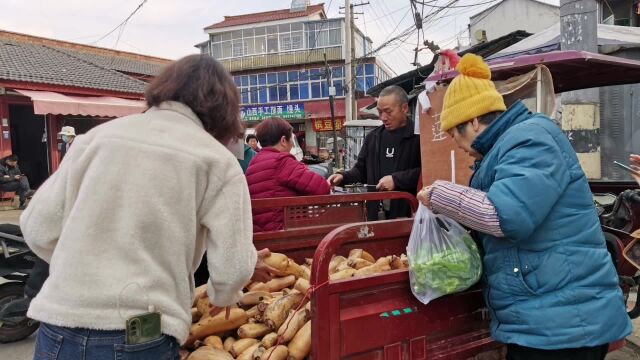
[(126, 219)]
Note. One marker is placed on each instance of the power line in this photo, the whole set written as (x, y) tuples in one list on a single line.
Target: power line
[(122, 23), (455, 6), (404, 34), (381, 25)]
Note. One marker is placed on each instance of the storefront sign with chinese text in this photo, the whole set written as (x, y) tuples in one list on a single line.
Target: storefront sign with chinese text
[(320, 125), (260, 112)]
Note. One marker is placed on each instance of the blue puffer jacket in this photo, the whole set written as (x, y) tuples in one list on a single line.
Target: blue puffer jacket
[(551, 282)]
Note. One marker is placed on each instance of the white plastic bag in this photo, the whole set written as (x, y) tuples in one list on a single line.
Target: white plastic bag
[(443, 258)]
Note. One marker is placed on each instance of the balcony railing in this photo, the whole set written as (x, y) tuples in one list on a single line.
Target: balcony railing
[(282, 59)]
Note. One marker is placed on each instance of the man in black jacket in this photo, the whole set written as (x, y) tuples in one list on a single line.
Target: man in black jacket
[(12, 179), (390, 155)]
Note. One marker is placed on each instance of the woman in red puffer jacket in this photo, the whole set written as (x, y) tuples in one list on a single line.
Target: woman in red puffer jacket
[(274, 172)]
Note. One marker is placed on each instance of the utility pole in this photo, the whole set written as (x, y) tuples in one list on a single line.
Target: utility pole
[(348, 59), (332, 93), (352, 65), (581, 109)]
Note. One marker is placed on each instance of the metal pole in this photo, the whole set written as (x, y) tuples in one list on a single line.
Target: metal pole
[(348, 59), (354, 103), (336, 155)]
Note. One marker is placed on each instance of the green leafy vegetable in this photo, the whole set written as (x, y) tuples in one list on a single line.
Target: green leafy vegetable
[(451, 270)]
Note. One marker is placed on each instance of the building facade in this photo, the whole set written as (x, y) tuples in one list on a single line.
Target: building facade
[(510, 15), (277, 61), (46, 84)]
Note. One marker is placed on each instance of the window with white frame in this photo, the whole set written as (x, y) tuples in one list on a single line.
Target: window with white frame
[(299, 85)]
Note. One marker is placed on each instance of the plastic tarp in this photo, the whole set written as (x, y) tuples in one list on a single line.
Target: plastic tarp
[(611, 38), (47, 102)]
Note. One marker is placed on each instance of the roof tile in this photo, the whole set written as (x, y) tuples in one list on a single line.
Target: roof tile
[(266, 16)]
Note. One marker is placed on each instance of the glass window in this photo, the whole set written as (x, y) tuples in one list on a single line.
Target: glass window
[(245, 97), (325, 89), (293, 76), (315, 90), (260, 31), (322, 38), (216, 37), (284, 28), (272, 78), (285, 42), (237, 34), (217, 51), (254, 94), (226, 49), (311, 40), (239, 48), (225, 36), (371, 82), (237, 80), (262, 79), (272, 43), (335, 37), (337, 72), (360, 83), (297, 40), (359, 70), (249, 46), (315, 74), (273, 94), (304, 91), (369, 69), (263, 95), (253, 79), (245, 80), (293, 92), (282, 77), (283, 93), (297, 26), (260, 45), (303, 75), (273, 29), (247, 33), (339, 87)]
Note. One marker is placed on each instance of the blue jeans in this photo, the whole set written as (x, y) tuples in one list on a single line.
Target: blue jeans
[(61, 343)]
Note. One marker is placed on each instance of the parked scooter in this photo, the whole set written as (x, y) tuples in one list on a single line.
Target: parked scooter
[(620, 217), (16, 261)]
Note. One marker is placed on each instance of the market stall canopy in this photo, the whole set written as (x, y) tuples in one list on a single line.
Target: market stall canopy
[(47, 102), (611, 38), (571, 70)]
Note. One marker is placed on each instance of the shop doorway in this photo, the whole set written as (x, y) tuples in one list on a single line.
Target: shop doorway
[(27, 135)]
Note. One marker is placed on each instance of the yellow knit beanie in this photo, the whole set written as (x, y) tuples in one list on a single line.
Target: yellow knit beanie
[(471, 94)]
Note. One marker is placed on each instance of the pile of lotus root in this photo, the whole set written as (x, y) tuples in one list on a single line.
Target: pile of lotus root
[(272, 321)]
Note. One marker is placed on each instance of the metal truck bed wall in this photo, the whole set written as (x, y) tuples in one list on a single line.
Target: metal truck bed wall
[(307, 219), (377, 317)]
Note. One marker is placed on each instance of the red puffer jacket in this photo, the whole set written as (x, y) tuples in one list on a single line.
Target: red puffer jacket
[(277, 174)]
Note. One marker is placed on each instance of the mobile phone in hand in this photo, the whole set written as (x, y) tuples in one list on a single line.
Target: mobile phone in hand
[(627, 168)]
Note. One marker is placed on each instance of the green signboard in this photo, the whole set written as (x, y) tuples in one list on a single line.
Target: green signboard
[(260, 112)]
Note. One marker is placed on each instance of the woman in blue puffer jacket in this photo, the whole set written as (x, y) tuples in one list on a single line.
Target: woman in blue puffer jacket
[(551, 286)]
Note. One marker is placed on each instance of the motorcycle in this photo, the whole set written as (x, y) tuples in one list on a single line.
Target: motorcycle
[(619, 217), (16, 261)]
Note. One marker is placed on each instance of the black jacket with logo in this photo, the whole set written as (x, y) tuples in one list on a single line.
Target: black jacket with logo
[(405, 176)]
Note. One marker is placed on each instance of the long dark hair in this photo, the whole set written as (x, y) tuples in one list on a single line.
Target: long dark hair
[(204, 85)]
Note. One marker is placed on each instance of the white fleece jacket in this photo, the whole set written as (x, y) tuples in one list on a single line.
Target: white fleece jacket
[(125, 220)]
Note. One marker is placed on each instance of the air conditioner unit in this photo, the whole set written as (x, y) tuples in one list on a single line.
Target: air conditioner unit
[(481, 35)]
